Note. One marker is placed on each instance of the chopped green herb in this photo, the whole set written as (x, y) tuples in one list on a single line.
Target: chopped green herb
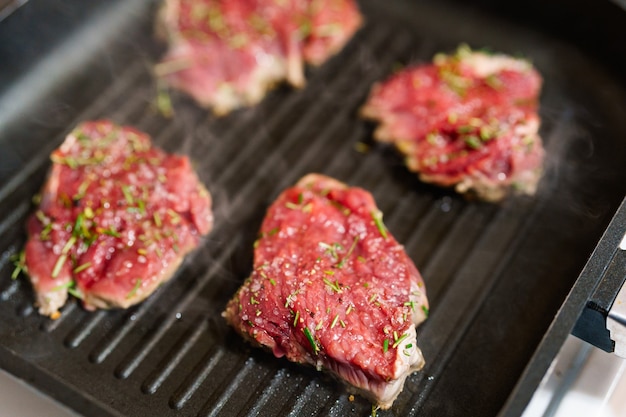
[(329, 272), (164, 103), (307, 208), (386, 345), (68, 245), (174, 217), (273, 231), (63, 286), (494, 81), (253, 301), (398, 341), (128, 195), (111, 232), (464, 129), (473, 142), (19, 261), (272, 281), (333, 285), (58, 265), (377, 216), (75, 292), (295, 320), (349, 309), (292, 206), (411, 304), (425, 310), (309, 336), (343, 261), (133, 291), (89, 213), (373, 298), (343, 323), (157, 219), (334, 322), (82, 267)]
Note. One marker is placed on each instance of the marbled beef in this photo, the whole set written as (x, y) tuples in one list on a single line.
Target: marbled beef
[(467, 120), (332, 288), (116, 218), (227, 54)]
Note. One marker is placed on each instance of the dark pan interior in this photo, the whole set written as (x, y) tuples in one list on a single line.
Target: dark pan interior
[(496, 275)]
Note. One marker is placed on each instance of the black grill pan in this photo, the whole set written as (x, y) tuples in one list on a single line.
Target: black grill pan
[(496, 274)]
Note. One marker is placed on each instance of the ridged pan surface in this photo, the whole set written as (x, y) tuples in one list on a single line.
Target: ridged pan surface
[(496, 274)]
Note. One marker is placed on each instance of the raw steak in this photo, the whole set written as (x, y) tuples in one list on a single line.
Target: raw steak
[(467, 120), (116, 218), (227, 54), (332, 288)]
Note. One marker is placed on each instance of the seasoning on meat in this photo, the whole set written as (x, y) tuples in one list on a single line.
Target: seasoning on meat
[(467, 120), (332, 288), (116, 218), (227, 54)]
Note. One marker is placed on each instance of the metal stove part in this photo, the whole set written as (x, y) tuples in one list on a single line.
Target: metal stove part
[(616, 320), (9, 6), (602, 321)]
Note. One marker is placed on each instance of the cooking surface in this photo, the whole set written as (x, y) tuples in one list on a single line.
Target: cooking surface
[(495, 274)]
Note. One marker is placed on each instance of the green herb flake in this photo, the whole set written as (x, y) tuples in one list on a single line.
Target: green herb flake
[(377, 216), (473, 142), (75, 292), (69, 245), (128, 195), (89, 214), (273, 231), (292, 206), (295, 320), (111, 232), (309, 336), (333, 285), (19, 261), (343, 261), (133, 291), (63, 286), (82, 267), (494, 82), (58, 265), (272, 282), (425, 310), (334, 322), (398, 341), (385, 345), (157, 219)]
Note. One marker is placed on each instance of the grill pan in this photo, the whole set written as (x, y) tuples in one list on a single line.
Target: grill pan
[(496, 275)]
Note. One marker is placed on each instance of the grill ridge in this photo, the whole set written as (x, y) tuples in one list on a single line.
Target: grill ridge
[(167, 365)]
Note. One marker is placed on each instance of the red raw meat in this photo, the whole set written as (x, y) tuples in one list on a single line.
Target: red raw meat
[(116, 218), (227, 54), (332, 288), (467, 120)]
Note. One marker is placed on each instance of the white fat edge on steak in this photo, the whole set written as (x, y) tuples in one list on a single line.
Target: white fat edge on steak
[(484, 65), (525, 181)]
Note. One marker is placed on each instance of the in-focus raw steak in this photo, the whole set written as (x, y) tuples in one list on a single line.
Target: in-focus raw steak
[(332, 288), (227, 54), (116, 218), (467, 120)]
